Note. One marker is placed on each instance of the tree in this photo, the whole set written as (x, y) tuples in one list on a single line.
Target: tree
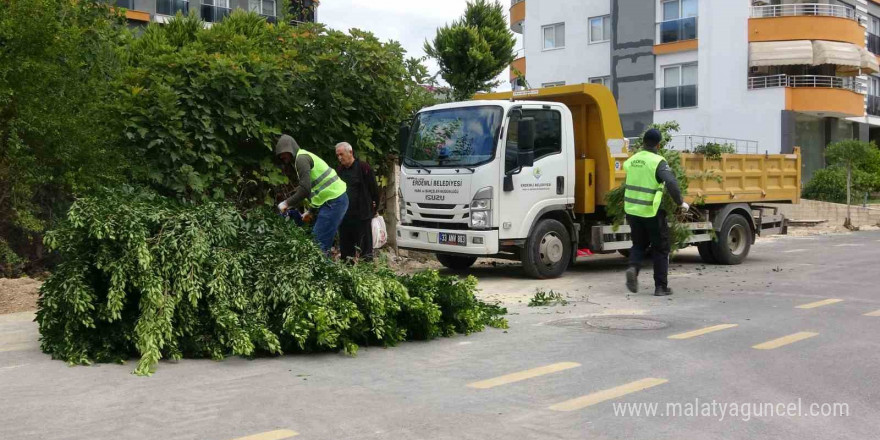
[(58, 60), (473, 50), (851, 155), (203, 108)]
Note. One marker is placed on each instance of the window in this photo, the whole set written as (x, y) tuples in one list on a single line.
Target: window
[(171, 7), (214, 10), (679, 21), (548, 135), (679, 87), (263, 7), (874, 25), (604, 80), (600, 29), (873, 86), (675, 9), (554, 36), (553, 84)]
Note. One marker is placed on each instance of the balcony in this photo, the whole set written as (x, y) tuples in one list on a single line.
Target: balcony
[(172, 7), (517, 15), (677, 97), (806, 21), (519, 63), (673, 31), (804, 9), (874, 105), (213, 14), (874, 43), (816, 94), (127, 4)]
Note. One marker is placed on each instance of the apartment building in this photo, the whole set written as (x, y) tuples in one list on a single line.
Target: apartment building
[(142, 12), (764, 75)]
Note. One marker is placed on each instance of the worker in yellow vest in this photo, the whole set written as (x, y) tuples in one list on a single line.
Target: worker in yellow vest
[(319, 186), (647, 175)]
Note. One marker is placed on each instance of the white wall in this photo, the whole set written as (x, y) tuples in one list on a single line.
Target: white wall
[(579, 60), (726, 108)]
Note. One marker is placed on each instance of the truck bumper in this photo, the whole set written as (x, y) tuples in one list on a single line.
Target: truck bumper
[(425, 240)]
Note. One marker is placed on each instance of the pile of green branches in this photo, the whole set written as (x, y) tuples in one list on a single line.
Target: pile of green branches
[(142, 275), (679, 234)]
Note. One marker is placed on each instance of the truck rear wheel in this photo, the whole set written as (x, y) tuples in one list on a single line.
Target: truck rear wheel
[(547, 251), (456, 262), (706, 254), (733, 241)]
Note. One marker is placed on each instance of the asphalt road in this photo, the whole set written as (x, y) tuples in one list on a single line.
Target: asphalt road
[(774, 343)]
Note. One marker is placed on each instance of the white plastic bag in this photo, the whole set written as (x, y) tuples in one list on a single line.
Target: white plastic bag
[(380, 234)]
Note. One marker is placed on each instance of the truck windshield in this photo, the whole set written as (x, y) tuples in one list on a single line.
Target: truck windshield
[(454, 137)]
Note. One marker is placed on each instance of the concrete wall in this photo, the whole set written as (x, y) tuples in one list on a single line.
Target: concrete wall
[(579, 60), (632, 63), (726, 108), (835, 213)]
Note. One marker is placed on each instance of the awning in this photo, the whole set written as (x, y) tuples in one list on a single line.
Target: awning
[(839, 54), (781, 53), (869, 61)]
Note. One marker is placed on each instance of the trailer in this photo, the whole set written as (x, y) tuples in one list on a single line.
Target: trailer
[(523, 175)]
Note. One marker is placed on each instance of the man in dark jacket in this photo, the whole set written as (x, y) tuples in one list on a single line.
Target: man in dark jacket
[(355, 232), (648, 176)]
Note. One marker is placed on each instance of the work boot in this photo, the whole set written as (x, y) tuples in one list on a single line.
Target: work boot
[(632, 279), (662, 291)]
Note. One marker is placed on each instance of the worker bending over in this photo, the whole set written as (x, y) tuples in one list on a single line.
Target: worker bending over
[(319, 186), (647, 173)]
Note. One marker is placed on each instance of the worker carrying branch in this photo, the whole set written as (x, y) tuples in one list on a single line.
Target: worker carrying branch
[(647, 174)]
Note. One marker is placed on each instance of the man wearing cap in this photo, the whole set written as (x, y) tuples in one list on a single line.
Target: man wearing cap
[(647, 174), (319, 186)]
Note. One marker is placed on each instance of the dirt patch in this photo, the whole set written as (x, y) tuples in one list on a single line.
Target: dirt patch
[(18, 294), (824, 229)]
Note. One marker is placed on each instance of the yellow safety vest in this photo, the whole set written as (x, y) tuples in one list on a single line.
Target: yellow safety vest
[(326, 184), (643, 194)]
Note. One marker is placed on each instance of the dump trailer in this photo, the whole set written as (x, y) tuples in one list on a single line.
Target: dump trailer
[(523, 175)]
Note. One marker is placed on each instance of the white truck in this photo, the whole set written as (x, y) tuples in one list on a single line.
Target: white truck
[(523, 176)]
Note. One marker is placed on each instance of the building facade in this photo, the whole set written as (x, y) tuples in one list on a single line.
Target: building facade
[(141, 12), (764, 75)]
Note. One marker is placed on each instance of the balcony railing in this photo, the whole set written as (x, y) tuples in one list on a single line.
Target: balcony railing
[(680, 29), (513, 2), (213, 14), (677, 97), (813, 81), (874, 105), (874, 43), (689, 142), (801, 9), (127, 4), (270, 18), (171, 7)]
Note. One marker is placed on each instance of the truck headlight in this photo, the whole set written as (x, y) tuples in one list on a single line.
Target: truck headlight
[(401, 206), (481, 209)]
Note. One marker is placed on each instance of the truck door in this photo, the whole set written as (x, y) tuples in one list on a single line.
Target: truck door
[(544, 184)]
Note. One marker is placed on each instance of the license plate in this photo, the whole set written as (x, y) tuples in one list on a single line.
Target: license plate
[(453, 239)]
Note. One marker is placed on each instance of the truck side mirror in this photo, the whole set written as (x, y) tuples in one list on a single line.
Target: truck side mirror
[(403, 135), (526, 141)]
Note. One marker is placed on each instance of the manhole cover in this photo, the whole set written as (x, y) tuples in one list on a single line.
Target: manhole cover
[(611, 323)]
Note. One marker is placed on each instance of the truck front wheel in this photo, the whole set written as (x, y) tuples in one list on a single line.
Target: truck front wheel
[(733, 241), (547, 251), (456, 262)]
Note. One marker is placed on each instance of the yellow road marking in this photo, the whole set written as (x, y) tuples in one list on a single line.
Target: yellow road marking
[(824, 302), (271, 435), (702, 331), (874, 313), (611, 393), (785, 340), (523, 375)]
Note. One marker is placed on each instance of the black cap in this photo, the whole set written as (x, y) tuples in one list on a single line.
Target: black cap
[(652, 138)]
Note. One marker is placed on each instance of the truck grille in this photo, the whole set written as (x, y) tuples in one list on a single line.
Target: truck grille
[(437, 225), (435, 206)]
